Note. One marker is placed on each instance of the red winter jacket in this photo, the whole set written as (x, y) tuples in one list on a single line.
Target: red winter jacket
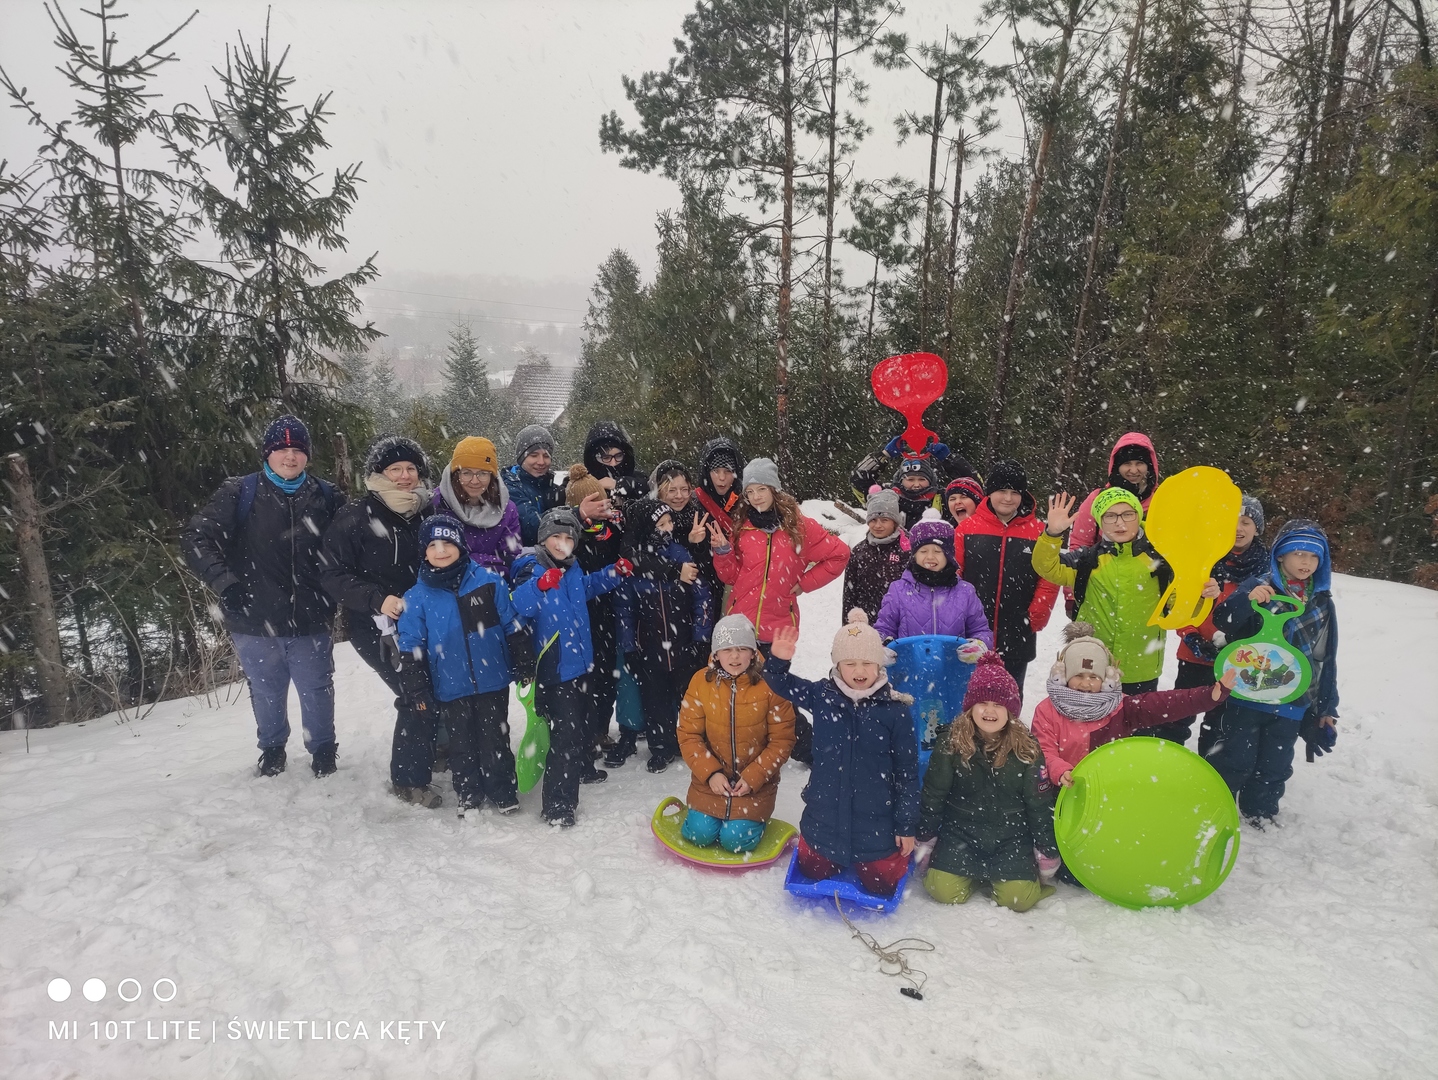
[(997, 560), (763, 568)]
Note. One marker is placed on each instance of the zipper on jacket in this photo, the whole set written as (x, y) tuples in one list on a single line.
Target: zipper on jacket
[(999, 590), (764, 584), (733, 745)]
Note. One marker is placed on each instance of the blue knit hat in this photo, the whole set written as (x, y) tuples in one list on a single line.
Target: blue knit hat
[(286, 432), (441, 527), (1301, 534)]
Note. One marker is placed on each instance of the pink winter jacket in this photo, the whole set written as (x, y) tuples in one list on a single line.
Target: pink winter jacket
[(1085, 529), (763, 568), (1066, 742)]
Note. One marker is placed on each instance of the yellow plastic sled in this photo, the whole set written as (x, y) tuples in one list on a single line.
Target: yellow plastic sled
[(1192, 519)]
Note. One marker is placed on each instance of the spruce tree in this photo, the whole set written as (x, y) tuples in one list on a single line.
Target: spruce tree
[(467, 400)]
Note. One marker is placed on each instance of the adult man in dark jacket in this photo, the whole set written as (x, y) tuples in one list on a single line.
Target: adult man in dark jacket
[(257, 544)]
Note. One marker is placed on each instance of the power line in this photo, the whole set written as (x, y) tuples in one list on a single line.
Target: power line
[(455, 316), (471, 299)]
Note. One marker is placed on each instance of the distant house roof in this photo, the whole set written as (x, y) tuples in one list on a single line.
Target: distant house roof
[(542, 389)]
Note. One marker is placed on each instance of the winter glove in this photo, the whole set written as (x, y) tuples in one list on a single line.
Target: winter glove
[(937, 450), (891, 448), (1200, 646), (971, 651), (235, 599), (1048, 866), (623, 567), (1318, 738), (550, 579)]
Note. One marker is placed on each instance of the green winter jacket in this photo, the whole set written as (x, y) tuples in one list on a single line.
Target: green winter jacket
[(988, 822), (1116, 588)]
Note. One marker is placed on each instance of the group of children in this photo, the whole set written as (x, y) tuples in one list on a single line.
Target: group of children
[(653, 563)]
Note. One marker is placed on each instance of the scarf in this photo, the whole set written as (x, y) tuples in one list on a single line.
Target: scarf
[(1080, 705), (764, 520), (548, 561), (1252, 561), (446, 578), (404, 503), (289, 487), (858, 695), (934, 579), (893, 537), (480, 515)]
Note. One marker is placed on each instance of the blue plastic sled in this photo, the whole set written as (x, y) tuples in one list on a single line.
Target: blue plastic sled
[(928, 669), (845, 886)]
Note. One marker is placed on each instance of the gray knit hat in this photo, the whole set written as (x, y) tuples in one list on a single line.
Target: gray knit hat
[(532, 438), (1253, 509), (559, 521), (885, 504), (733, 632), (762, 471)]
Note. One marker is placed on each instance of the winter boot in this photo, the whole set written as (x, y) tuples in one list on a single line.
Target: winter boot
[(441, 759), (420, 796), (658, 762), (272, 761), (561, 819), (323, 759), (621, 751), (594, 776)]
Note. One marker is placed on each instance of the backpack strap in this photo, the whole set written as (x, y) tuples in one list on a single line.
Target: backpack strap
[(249, 485)]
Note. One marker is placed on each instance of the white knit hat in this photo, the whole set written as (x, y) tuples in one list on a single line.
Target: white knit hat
[(860, 641)]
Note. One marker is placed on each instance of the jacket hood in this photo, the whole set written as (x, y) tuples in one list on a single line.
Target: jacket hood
[(706, 462), (1142, 441), (1302, 534), (388, 449), (608, 433), (482, 515)]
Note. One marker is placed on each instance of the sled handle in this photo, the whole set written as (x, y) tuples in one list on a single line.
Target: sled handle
[(1279, 618), (1223, 854), (1177, 619), (1070, 814), (669, 803)]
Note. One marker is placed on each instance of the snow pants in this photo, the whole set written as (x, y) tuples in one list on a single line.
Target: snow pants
[(604, 676), (880, 876), (1015, 895), (662, 692), (271, 664), (737, 835), (566, 706), (1255, 757), (480, 760), (411, 750)]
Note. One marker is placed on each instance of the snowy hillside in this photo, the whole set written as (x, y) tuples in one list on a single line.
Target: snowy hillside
[(150, 851)]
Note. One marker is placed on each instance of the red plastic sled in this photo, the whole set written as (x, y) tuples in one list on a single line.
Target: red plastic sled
[(910, 383)]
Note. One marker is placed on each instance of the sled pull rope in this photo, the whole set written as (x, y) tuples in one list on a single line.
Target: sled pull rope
[(892, 960)]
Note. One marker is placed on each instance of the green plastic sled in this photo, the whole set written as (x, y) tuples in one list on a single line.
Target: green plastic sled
[(1147, 823), (534, 746), (1271, 669), (668, 820)]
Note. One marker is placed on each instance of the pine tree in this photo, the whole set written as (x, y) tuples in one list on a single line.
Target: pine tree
[(467, 400)]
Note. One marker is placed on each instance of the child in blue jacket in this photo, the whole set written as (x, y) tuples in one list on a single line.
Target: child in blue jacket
[(663, 629), (553, 592), (460, 642), (861, 805), (1255, 753)]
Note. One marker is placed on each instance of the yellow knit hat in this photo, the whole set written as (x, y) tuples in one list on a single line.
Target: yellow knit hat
[(474, 453)]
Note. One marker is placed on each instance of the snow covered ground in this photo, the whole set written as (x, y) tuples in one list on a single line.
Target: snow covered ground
[(149, 851)]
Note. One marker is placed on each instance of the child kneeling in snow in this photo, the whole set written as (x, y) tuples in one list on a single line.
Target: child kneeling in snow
[(861, 804), (461, 641), (1087, 707), (987, 800), (735, 734)]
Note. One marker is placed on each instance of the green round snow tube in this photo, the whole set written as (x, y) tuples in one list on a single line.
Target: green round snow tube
[(1147, 823)]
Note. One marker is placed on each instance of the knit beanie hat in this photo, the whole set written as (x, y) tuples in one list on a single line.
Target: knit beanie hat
[(762, 470), (733, 632), (286, 432), (932, 529), (1082, 652), (860, 641), (883, 504), (965, 485), (1253, 510), (643, 517), (1133, 451), (441, 527), (474, 452), (559, 521), (720, 457), (666, 471), (532, 438), (1108, 498), (1006, 475), (581, 485), (992, 682), (916, 467), (390, 449)]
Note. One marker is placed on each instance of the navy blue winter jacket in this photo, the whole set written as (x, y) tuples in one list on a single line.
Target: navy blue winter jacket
[(531, 498), (560, 616), (461, 633), (863, 787), (663, 619)]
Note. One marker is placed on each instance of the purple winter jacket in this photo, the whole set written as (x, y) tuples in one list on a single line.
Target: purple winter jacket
[(494, 547), (910, 609)]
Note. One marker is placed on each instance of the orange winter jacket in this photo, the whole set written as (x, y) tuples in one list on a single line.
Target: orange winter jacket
[(763, 568), (738, 727)]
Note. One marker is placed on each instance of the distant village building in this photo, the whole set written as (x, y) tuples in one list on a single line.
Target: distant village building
[(542, 390)]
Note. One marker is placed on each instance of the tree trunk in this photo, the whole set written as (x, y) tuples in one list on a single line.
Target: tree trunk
[(1330, 125), (343, 469), (951, 277), (1095, 238), (873, 300), (924, 267), (786, 256), (1398, 465), (29, 545), (1016, 273), (830, 190)]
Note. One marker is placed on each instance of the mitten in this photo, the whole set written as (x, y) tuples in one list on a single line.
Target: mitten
[(1318, 739), (1200, 646), (550, 579), (891, 448), (972, 650), (623, 567), (235, 599), (1048, 866), (937, 449)]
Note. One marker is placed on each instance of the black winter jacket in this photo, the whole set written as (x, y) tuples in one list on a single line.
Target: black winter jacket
[(872, 569), (275, 555), (628, 483), (370, 553)]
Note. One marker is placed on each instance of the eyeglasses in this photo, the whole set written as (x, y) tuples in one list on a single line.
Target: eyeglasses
[(1122, 518), (474, 474), (611, 457)]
